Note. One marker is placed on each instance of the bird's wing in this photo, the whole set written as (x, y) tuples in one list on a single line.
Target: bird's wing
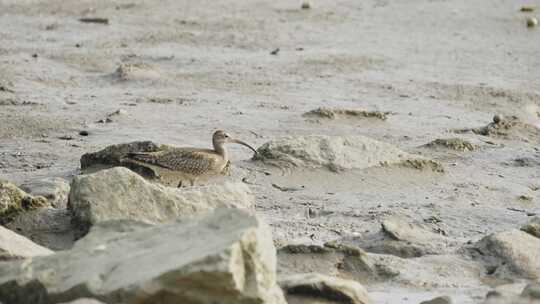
[(184, 160)]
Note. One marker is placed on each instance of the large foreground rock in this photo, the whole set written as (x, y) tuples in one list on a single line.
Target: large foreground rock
[(511, 253), (119, 193), (14, 201), (311, 288), (338, 153), (225, 257), (14, 246)]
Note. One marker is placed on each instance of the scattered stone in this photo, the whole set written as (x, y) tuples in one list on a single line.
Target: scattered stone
[(456, 144), (526, 162), (274, 52), (226, 256), (119, 193), (420, 164), (526, 8), (14, 246), (438, 300), (117, 112), (55, 190), (95, 20), (532, 22), (345, 261), (330, 259), (533, 227), (525, 198), (84, 133), (333, 113), (529, 295), (51, 27), (48, 227), (84, 301), (106, 120), (312, 286), (65, 137), (306, 5), (16, 102), (532, 291), (508, 128), (497, 118), (409, 234), (14, 201), (510, 253), (135, 71), (337, 153), (401, 238)]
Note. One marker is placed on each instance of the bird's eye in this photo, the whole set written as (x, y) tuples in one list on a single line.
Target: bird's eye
[(226, 135)]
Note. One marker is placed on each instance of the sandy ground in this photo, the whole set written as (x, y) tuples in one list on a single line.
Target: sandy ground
[(179, 70)]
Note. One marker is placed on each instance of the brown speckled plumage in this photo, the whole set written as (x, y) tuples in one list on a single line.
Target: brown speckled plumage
[(190, 163), (182, 160)]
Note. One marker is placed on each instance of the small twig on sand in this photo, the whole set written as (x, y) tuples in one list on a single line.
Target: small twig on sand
[(95, 20)]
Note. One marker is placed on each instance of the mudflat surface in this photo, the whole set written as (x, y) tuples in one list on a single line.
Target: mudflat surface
[(178, 70)]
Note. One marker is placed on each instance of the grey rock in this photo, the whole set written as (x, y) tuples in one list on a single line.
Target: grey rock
[(533, 227), (55, 190), (438, 300), (310, 287), (14, 201), (408, 239), (14, 246), (337, 153), (119, 193), (511, 253), (48, 227), (401, 237), (353, 262), (532, 291), (226, 257)]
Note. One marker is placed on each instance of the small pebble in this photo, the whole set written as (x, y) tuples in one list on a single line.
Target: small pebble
[(274, 52), (34, 55), (83, 133), (497, 118), (527, 8), (306, 6), (532, 22)]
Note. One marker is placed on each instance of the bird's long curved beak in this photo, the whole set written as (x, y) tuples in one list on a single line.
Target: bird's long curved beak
[(236, 141)]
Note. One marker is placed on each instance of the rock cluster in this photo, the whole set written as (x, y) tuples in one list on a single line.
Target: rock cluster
[(226, 256)]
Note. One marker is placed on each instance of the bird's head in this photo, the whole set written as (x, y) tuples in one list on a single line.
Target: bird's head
[(221, 137)]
